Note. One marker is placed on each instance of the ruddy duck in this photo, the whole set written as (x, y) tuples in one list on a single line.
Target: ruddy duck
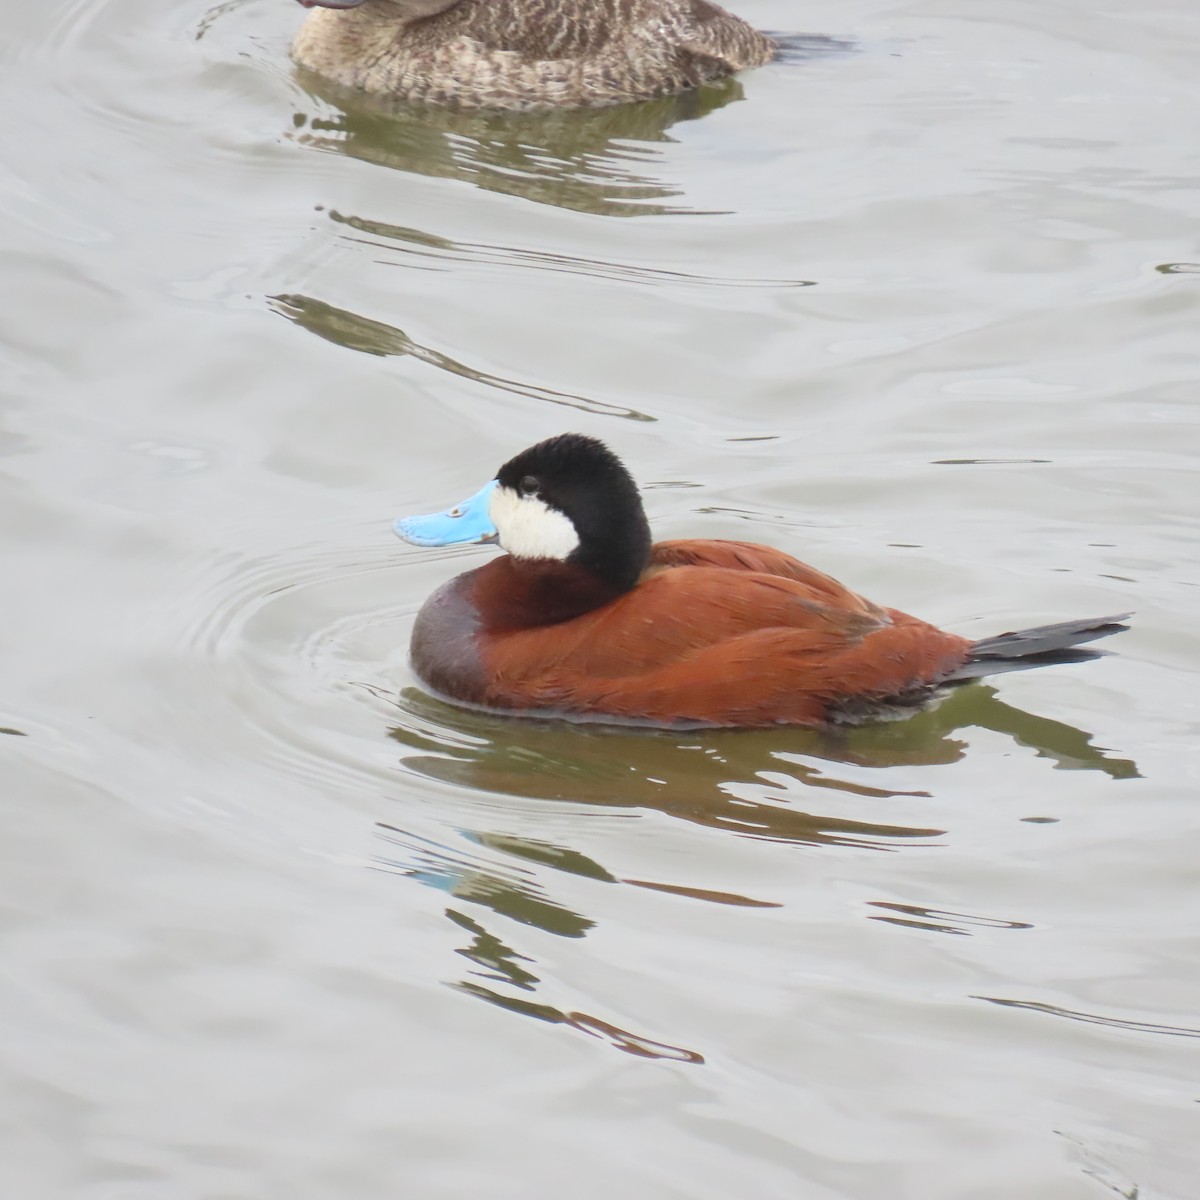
[(526, 54), (585, 617)]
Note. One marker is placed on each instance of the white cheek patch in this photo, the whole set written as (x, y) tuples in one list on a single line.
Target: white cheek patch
[(529, 528)]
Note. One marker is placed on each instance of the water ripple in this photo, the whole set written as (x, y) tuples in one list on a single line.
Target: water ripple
[(1094, 1018), (915, 916), (419, 244)]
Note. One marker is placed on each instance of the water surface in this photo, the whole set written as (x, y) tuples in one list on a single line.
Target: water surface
[(918, 304)]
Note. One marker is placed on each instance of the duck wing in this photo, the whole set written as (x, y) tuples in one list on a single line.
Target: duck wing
[(751, 557), (721, 645)]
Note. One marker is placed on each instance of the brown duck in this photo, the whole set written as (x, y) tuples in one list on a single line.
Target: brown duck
[(526, 54)]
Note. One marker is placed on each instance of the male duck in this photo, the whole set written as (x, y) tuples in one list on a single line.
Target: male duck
[(525, 54), (585, 617)]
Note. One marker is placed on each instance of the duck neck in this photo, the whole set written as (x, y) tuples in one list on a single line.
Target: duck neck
[(411, 10), (345, 44), (519, 593), (614, 544)]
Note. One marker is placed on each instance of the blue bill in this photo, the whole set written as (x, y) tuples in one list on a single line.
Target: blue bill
[(464, 523)]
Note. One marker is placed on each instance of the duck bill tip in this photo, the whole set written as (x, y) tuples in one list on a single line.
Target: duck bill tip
[(468, 523)]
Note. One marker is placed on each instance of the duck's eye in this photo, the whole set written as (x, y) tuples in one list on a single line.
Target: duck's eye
[(529, 485)]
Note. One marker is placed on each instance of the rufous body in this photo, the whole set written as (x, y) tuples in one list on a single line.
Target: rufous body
[(715, 633)]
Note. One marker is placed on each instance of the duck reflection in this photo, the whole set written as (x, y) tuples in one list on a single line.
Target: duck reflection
[(589, 160), (580, 159), (742, 781), (355, 332), (732, 780), (514, 894)]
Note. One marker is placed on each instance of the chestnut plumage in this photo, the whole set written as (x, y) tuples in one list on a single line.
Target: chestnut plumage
[(584, 617)]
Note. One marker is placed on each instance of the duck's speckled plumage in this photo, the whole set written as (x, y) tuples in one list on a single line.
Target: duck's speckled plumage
[(527, 54)]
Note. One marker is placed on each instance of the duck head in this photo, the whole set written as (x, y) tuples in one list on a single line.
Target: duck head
[(567, 499)]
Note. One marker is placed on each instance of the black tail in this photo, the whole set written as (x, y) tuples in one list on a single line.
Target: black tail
[(800, 47), (1039, 647)]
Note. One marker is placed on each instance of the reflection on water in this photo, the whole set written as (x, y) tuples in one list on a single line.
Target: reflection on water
[(582, 159), (740, 781), (355, 332), (413, 245), (730, 780), (511, 893), (1054, 1010), (514, 894), (723, 778), (620, 1039), (936, 920), (917, 741), (210, 993)]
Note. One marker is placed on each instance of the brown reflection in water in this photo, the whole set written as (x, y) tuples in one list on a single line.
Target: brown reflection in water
[(713, 897), (512, 894), (681, 776), (581, 159), (620, 1039), (722, 779), (735, 780), (500, 963), (574, 863), (519, 898), (354, 332), (716, 779), (925, 740), (584, 159), (516, 895)]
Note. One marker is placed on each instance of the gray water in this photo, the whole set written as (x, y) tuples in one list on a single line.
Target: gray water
[(920, 305)]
